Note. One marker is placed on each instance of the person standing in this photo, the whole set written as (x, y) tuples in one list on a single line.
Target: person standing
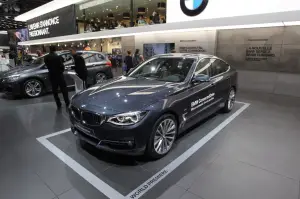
[(80, 67), (56, 68), (128, 61), (137, 58), (39, 53), (142, 21)]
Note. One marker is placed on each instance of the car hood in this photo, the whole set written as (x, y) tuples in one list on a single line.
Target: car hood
[(18, 70), (124, 94)]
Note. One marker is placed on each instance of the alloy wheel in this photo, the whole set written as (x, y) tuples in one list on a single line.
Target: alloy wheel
[(164, 136), (33, 88), (231, 99), (100, 77)]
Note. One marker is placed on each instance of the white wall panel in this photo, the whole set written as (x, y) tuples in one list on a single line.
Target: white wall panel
[(205, 39), (232, 8)]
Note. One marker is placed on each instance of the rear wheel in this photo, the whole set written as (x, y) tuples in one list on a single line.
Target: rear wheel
[(100, 77), (33, 88), (162, 137), (229, 104)]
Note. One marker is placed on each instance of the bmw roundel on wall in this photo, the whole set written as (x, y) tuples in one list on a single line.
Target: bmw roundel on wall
[(193, 7)]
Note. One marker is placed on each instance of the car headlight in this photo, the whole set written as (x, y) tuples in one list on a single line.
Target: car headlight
[(129, 118), (13, 78)]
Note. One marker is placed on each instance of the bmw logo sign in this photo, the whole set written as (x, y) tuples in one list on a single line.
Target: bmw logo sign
[(193, 7)]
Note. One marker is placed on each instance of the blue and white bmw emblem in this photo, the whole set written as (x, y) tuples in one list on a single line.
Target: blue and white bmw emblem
[(83, 106), (193, 7)]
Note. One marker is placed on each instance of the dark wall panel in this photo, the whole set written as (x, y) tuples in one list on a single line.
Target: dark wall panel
[(57, 23), (3, 40)]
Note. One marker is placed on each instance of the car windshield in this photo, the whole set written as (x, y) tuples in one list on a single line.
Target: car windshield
[(169, 69)]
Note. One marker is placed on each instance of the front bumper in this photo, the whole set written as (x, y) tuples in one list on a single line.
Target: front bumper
[(12, 88), (128, 140)]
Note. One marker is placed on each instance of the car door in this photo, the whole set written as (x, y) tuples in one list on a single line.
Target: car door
[(201, 94), (69, 64), (95, 63), (43, 74), (220, 79)]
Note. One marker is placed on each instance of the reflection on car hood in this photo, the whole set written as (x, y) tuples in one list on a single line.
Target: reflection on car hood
[(125, 94), (18, 70)]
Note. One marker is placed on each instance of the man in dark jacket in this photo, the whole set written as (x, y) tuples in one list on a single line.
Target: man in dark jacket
[(56, 68), (128, 61), (80, 67)]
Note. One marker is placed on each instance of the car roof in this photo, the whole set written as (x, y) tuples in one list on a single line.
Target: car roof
[(88, 51), (78, 51), (186, 55)]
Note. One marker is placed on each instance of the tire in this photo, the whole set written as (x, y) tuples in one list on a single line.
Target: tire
[(229, 104), (33, 88), (100, 77), (152, 150)]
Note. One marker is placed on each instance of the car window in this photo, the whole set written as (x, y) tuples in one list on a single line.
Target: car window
[(99, 57), (68, 59), (202, 67), (90, 57), (218, 67), (169, 69)]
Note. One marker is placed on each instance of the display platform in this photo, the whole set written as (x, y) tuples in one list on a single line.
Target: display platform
[(119, 176)]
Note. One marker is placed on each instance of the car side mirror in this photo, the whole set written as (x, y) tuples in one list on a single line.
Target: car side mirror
[(200, 78)]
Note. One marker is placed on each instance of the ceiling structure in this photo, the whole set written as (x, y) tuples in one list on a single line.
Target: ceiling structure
[(9, 9)]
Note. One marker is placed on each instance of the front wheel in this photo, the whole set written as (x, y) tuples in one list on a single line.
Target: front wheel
[(162, 137), (33, 88), (229, 104)]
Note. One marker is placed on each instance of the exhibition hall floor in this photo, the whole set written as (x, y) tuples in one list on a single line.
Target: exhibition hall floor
[(251, 153)]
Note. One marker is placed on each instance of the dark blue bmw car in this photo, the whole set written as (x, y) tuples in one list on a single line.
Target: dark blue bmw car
[(144, 111)]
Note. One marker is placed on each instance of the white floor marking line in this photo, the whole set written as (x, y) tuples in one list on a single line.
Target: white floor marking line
[(151, 182), (55, 134), (83, 172), (147, 185)]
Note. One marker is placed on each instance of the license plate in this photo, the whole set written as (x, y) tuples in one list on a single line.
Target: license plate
[(84, 129)]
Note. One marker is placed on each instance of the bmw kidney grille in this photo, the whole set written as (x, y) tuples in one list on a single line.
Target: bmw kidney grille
[(87, 117)]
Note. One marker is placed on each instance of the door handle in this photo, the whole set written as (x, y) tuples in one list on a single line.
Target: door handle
[(212, 84)]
